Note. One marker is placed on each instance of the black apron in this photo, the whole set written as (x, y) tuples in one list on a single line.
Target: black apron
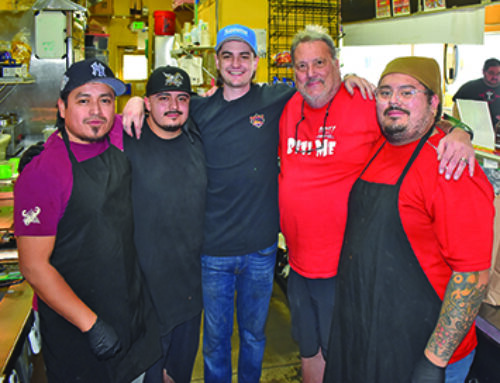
[(385, 307), (169, 209), (95, 253)]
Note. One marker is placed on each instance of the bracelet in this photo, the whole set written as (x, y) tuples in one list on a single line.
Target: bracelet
[(458, 124)]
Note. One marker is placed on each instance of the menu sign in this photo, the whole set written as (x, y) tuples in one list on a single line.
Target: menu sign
[(383, 8), (400, 7), (431, 5)]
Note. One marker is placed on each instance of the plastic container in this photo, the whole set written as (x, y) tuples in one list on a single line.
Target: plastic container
[(14, 164), (5, 170), (164, 23)]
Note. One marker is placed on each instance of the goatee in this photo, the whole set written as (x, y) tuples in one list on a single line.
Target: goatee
[(170, 128)]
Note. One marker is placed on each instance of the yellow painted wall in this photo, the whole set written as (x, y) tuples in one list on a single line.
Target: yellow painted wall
[(207, 13), (250, 13), (5, 5)]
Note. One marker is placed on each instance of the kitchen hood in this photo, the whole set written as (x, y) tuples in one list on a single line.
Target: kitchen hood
[(57, 5)]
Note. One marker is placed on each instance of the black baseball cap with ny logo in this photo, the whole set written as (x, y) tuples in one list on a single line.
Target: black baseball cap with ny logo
[(90, 70)]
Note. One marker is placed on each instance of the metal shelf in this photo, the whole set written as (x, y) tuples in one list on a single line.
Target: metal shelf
[(16, 80), (287, 17), (9, 85)]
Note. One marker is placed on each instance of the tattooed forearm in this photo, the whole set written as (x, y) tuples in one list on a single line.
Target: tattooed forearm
[(464, 294)]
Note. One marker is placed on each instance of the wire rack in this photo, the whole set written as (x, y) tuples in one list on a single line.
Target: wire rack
[(286, 17)]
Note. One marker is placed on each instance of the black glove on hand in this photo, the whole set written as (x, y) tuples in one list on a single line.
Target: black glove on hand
[(29, 154), (427, 372), (103, 340)]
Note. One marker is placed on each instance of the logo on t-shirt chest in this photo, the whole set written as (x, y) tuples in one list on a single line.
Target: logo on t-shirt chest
[(257, 120), (489, 96)]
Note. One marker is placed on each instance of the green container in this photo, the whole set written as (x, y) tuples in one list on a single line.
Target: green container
[(14, 162), (5, 171)]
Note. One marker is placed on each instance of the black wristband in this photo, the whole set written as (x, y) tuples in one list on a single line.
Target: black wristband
[(458, 124), (465, 128)]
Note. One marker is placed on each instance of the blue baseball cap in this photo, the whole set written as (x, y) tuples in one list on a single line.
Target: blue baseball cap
[(239, 33)]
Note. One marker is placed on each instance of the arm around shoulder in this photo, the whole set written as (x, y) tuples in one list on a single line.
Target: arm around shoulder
[(133, 116)]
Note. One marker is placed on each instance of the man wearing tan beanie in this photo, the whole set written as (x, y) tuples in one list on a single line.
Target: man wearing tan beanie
[(414, 263)]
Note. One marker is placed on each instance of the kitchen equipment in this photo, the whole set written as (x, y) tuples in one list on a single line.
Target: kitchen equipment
[(11, 125)]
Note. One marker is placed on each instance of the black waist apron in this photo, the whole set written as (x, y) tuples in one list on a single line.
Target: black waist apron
[(385, 307), (95, 254)]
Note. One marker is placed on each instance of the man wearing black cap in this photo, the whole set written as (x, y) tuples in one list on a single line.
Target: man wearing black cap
[(414, 263), (168, 194), (74, 225)]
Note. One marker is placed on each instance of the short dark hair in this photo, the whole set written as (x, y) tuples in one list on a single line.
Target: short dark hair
[(439, 109), (489, 63), (60, 122)]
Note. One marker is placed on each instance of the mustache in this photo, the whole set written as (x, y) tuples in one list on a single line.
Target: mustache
[(173, 111), (100, 119), (315, 80), (391, 108)]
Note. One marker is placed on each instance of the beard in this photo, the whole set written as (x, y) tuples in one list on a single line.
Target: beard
[(400, 134), (97, 133), (393, 132), (167, 127), (170, 128), (319, 100)]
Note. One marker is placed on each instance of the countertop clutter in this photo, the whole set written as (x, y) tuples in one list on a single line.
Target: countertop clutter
[(16, 296), (16, 317)]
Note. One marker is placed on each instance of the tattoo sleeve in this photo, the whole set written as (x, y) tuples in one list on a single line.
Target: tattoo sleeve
[(463, 297)]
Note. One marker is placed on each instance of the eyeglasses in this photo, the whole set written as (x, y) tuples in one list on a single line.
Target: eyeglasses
[(316, 64), (302, 118), (493, 73), (403, 94)]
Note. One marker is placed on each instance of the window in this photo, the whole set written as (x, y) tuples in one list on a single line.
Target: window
[(135, 67)]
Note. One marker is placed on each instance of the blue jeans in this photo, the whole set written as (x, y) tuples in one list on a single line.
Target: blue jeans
[(251, 276), (457, 372)]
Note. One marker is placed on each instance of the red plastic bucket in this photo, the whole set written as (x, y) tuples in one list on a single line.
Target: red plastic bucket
[(164, 23)]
